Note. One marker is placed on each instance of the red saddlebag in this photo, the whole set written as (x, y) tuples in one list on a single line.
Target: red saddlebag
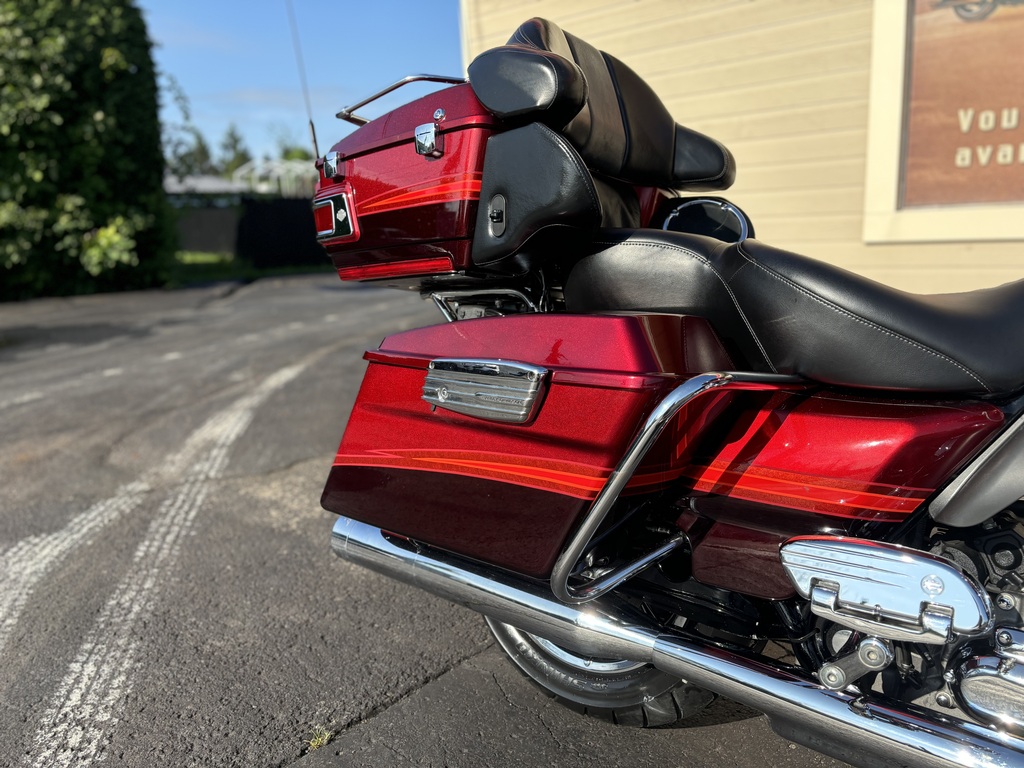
[(501, 492)]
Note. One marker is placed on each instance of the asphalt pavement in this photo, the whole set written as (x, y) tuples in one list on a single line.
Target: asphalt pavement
[(167, 591)]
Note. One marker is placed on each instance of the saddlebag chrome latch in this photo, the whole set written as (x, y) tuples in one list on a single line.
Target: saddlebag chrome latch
[(429, 140), (487, 389)]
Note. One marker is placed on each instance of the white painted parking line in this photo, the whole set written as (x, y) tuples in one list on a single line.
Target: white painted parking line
[(25, 564), (87, 705), (28, 397)]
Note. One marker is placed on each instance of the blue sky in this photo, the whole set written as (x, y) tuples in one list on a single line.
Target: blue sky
[(236, 62)]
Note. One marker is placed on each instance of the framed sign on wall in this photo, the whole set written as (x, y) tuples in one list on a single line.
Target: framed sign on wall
[(945, 155)]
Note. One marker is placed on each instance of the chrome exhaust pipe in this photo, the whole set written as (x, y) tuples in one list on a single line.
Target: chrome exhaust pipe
[(857, 729)]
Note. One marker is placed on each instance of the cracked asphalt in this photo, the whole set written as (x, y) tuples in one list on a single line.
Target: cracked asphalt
[(167, 591)]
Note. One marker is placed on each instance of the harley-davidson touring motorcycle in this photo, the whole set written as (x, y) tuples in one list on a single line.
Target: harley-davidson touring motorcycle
[(667, 461)]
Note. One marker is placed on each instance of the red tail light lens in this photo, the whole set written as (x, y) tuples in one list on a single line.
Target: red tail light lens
[(433, 266)]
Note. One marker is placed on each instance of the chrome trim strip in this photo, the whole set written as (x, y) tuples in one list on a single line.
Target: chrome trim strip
[(348, 113), (725, 205), (866, 731)]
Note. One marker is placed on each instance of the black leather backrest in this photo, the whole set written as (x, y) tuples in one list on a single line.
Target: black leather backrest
[(609, 114)]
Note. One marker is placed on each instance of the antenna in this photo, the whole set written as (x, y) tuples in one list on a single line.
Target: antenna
[(296, 43)]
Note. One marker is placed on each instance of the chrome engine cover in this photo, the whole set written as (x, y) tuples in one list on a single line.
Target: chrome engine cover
[(991, 688), (886, 590)]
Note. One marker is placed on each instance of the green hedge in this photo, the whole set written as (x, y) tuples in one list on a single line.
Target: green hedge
[(82, 206)]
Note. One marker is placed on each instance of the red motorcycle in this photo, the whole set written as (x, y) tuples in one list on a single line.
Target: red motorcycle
[(665, 460)]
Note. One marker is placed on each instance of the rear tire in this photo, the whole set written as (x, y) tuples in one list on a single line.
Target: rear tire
[(619, 691)]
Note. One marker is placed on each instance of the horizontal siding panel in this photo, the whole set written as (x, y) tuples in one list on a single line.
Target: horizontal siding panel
[(806, 91), (716, 23), (836, 115), (595, 22), (668, 54), (809, 201), (813, 234), (795, 62), (846, 172), (816, 146), (648, 35)]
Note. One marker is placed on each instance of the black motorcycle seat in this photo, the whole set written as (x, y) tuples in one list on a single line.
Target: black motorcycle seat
[(780, 312)]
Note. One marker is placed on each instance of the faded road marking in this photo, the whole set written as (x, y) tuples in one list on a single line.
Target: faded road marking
[(21, 399), (88, 703)]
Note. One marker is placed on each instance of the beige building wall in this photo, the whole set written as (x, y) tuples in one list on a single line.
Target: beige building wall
[(785, 85)]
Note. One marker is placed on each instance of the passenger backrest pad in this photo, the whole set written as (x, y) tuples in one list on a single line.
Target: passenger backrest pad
[(612, 117)]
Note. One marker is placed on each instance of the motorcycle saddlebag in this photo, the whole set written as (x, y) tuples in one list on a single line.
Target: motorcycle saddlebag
[(389, 206), (429, 452)]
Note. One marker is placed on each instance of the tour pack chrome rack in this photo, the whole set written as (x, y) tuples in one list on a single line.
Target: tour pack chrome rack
[(348, 113)]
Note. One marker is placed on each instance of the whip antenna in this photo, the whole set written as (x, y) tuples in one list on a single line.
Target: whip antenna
[(297, 44)]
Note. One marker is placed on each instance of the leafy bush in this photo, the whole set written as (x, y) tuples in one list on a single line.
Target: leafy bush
[(82, 206)]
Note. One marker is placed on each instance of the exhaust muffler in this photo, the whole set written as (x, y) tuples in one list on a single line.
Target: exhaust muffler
[(857, 729)]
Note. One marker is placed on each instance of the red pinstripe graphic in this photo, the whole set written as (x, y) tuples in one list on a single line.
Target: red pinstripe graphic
[(444, 189), (578, 480), (829, 496)]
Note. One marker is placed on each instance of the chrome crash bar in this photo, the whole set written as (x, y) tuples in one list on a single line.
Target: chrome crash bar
[(567, 564)]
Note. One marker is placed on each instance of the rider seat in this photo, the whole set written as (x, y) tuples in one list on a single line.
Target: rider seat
[(784, 313)]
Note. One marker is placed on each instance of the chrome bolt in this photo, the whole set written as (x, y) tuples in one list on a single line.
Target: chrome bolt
[(832, 676), (944, 700), (1004, 638), (1006, 602), (438, 114)]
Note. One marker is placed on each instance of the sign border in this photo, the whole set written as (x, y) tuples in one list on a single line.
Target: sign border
[(884, 220)]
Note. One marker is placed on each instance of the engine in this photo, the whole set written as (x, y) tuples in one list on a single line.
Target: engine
[(987, 675), (943, 628)]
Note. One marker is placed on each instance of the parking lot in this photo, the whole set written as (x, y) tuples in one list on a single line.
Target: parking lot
[(167, 591)]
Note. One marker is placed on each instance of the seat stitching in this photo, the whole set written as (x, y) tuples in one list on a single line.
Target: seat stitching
[(863, 321), (524, 39), (714, 271), (573, 157)]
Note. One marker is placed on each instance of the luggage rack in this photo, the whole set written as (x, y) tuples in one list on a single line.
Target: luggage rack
[(348, 113)]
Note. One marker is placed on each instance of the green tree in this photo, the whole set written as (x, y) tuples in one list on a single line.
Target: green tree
[(82, 206), (233, 152), (191, 156), (295, 153)]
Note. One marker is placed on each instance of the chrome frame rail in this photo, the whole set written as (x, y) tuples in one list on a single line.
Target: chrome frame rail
[(348, 113), (441, 299), (642, 443), (652, 429)]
